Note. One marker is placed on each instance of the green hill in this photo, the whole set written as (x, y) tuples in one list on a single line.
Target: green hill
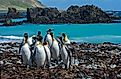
[(19, 4)]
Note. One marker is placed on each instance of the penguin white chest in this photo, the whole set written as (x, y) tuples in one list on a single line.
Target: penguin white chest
[(64, 53), (26, 51), (55, 50), (48, 52), (26, 54), (40, 56), (49, 39), (30, 42)]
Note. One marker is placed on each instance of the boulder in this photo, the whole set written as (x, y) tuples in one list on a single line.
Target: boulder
[(74, 14)]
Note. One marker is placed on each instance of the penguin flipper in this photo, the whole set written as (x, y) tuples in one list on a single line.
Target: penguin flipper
[(20, 47)]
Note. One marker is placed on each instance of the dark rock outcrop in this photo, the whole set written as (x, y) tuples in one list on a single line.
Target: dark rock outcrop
[(42, 15), (74, 14), (13, 13)]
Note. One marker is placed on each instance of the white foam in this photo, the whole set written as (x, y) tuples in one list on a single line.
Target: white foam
[(98, 39), (11, 37), (91, 39), (6, 39)]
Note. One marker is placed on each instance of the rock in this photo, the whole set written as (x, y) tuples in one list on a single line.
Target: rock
[(13, 13), (42, 15), (1, 62), (89, 63), (112, 65), (74, 14)]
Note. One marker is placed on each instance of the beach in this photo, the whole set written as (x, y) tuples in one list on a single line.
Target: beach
[(81, 38), (90, 60)]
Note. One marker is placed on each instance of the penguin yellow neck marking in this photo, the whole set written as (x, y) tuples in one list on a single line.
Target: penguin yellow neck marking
[(25, 41), (65, 39), (39, 44)]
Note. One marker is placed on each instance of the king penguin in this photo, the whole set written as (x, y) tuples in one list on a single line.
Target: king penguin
[(64, 54), (48, 37), (25, 51), (40, 55), (54, 48), (31, 40), (48, 54)]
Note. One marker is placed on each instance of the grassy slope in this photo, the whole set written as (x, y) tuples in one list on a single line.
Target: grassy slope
[(19, 4)]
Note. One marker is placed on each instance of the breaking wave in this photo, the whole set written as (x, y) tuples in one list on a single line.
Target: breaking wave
[(91, 39)]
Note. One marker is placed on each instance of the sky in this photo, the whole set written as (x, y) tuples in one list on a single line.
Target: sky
[(64, 4)]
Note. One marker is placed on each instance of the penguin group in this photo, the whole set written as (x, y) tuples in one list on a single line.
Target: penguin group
[(39, 52)]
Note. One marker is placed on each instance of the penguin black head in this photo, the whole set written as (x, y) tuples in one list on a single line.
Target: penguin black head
[(26, 35), (63, 34), (39, 38), (39, 32), (50, 30), (51, 33)]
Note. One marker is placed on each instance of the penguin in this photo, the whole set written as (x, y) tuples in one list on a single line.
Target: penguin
[(64, 54), (25, 51), (31, 40), (65, 39), (39, 35), (48, 54), (32, 44), (54, 48), (40, 55), (48, 37)]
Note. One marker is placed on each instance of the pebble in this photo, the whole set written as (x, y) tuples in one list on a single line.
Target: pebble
[(91, 59), (1, 62)]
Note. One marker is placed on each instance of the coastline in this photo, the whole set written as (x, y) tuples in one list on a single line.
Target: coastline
[(102, 60), (25, 22), (87, 14)]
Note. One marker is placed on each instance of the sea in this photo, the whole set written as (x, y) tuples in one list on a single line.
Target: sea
[(81, 33)]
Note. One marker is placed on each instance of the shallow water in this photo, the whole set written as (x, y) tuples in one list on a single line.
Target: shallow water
[(93, 33)]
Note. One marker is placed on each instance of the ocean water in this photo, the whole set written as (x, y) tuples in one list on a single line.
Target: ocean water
[(91, 33)]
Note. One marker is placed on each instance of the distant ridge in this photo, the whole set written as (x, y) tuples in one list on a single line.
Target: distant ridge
[(19, 4)]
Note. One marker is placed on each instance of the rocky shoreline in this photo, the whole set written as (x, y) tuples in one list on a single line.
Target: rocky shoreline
[(94, 61)]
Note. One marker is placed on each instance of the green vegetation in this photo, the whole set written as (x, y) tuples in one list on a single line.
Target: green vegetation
[(19, 4)]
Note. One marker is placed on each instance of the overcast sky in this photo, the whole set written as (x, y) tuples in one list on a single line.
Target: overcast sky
[(64, 4)]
